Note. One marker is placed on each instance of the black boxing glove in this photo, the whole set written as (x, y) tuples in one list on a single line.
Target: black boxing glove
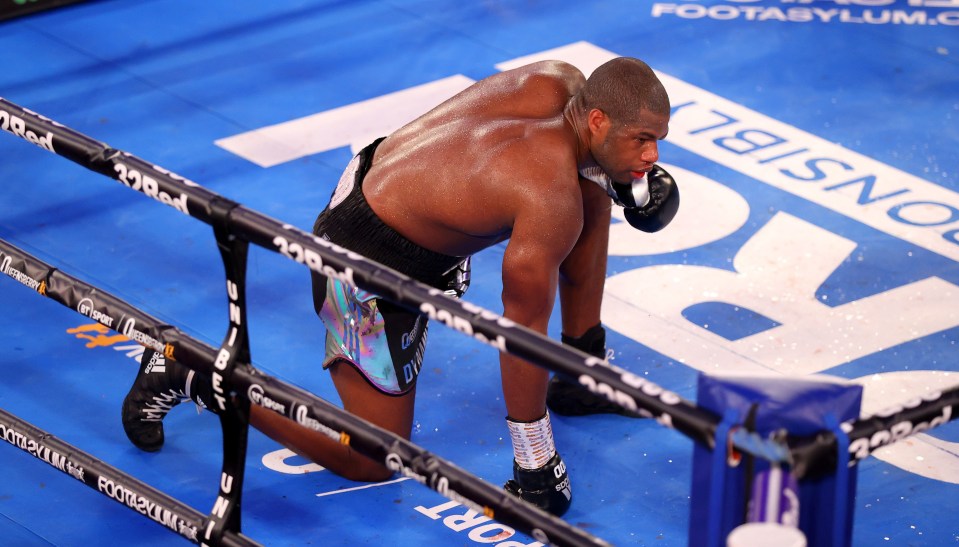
[(658, 209), (546, 487), (569, 399)]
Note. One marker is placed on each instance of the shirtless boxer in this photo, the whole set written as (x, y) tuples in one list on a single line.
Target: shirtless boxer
[(536, 156)]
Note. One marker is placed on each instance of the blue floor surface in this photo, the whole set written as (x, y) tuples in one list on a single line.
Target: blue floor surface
[(817, 145)]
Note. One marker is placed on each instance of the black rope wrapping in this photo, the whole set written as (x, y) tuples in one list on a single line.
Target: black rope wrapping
[(111, 482), (250, 386), (620, 386), (808, 456)]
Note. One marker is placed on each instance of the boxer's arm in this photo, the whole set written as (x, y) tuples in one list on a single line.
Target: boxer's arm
[(543, 233), (581, 282), (583, 272)]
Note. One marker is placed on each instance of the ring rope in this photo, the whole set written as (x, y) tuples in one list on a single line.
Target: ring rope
[(110, 481), (302, 406), (620, 386)]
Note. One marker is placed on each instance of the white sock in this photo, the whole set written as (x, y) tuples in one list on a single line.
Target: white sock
[(532, 442)]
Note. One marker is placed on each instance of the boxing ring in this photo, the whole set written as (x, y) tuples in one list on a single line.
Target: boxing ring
[(217, 519), (233, 377)]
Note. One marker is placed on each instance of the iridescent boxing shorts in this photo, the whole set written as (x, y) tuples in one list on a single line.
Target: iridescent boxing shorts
[(382, 340)]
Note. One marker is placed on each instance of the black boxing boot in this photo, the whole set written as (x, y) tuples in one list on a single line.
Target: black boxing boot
[(546, 487), (568, 399), (160, 385)]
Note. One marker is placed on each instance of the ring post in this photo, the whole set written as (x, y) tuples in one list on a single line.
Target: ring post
[(717, 476), (845, 484), (799, 407)]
